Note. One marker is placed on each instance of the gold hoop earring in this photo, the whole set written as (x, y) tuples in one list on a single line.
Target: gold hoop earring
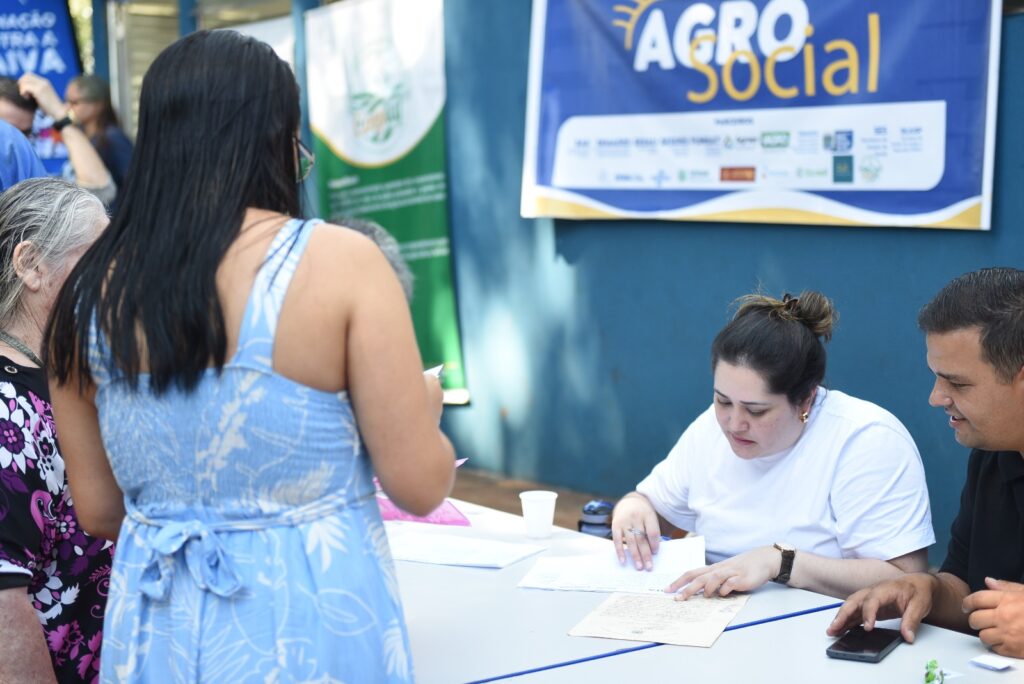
[(804, 416)]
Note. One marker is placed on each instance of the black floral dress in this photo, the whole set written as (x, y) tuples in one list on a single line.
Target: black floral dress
[(42, 548)]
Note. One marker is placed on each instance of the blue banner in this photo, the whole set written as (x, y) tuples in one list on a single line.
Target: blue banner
[(851, 112), (37, 36)]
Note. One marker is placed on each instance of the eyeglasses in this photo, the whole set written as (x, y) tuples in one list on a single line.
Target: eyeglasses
[(306, 159)]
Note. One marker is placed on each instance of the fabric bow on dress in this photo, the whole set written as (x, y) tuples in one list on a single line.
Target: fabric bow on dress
[(207, 561)]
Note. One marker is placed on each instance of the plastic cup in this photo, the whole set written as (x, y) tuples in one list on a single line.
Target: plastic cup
[(538, 512)]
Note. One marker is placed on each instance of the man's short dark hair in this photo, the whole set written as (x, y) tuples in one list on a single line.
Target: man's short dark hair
[(992, 300), (9, 91)]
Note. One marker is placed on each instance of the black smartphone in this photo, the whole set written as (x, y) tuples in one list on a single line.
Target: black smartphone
[(867, 647)]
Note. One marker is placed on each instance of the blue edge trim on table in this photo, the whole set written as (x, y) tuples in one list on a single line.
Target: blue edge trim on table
[(646, 646)]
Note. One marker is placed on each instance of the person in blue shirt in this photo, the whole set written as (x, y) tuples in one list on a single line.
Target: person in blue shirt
[(18, 161)]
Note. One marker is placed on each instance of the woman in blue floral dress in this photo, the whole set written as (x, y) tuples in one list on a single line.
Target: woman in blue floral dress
[(53, 576), (226, 378)]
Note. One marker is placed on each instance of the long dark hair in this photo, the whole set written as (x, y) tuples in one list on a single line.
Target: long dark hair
[(217, 119), (781, 339)]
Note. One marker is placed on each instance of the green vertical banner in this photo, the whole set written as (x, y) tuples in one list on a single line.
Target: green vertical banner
[(375, 73)]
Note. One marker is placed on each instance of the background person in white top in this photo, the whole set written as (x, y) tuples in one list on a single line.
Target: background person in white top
[(786, 480)]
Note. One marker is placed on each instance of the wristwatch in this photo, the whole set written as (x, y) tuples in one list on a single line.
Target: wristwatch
[(62, 123), (786, 568)]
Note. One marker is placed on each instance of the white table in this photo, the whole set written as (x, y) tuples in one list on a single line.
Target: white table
[(785, 652), (468, 624)]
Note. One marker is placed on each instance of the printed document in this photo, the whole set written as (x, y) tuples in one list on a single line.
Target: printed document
[(661, 619), (602, 572)]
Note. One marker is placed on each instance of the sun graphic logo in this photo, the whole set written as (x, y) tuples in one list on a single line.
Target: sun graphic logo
[(633, 12)]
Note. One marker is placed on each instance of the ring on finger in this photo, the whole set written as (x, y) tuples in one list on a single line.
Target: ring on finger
[(636, 532)]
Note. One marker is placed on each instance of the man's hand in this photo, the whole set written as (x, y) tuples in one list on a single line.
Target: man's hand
[(998, 615), (909, 597), (37, 87)]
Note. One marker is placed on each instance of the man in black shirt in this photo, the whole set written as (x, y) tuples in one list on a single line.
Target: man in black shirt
[(974, 330)]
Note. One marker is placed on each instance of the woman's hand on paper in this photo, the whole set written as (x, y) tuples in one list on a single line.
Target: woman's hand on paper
[(744, 572), (635, 529)]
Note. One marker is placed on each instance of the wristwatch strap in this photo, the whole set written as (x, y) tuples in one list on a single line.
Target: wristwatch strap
[(786, 567), (61, 124), (68, 119)]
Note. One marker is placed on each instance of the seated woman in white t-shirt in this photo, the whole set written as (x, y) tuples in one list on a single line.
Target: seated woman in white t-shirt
[(786, 480)]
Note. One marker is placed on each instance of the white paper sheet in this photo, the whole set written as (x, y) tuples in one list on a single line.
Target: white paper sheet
[(602, 572), (991, 661), (661, 619), (439, 546)]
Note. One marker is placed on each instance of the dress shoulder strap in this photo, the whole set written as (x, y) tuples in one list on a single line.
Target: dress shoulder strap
[(259, 324)]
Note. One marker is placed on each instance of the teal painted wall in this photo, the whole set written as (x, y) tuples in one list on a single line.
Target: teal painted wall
[(586, 343)]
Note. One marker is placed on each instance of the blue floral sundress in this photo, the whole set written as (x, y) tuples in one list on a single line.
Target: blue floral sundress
[(253, 549)]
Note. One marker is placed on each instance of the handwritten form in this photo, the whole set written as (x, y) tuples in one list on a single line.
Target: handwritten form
[(602, 572), (661, 619), (423, 543)]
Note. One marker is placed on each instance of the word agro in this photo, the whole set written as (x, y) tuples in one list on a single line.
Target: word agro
[(696, 43)]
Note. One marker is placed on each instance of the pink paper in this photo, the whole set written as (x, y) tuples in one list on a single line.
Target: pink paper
[(445, 514)]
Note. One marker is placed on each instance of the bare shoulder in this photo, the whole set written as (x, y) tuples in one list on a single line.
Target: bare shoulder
[(341, 252), (331, 243), (345, 265), (337, 234)]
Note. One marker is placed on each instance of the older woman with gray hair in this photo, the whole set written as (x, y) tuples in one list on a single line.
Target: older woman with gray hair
[(53, 576)]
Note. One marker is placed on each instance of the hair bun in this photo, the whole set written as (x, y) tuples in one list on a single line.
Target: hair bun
[(814, 310), (810, 308)]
